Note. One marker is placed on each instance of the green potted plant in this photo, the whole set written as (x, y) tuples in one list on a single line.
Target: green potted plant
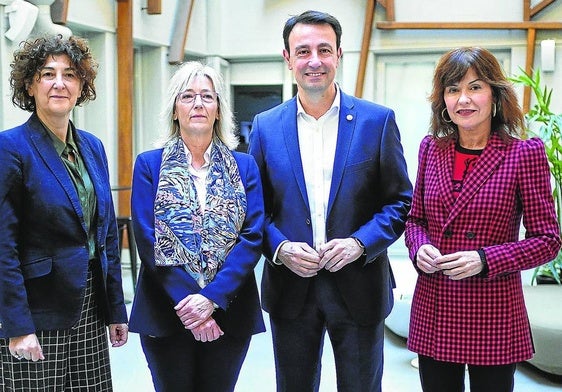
[(542, 122)]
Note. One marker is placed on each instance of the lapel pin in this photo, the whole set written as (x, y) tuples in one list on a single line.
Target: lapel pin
[(349, 117)]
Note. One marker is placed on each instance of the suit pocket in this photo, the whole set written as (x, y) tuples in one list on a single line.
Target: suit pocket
[(359, 166), (37, 268)]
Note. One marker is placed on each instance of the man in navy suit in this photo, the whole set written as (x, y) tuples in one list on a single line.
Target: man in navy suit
[(336, 195)]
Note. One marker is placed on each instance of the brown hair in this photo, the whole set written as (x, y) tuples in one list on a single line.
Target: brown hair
[(33, 54), (453, 65)]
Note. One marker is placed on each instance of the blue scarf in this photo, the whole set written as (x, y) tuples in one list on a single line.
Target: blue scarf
[(185, 236)]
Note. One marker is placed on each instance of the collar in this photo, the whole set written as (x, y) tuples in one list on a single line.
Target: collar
[(59, 144), (335, 103), (206, 154)]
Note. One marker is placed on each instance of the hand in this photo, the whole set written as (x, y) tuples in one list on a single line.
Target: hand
[(118, 334), (193, 310), (425, 259), (207, 331), (26, 347), (338, 253), (460, 265), (300, 258)]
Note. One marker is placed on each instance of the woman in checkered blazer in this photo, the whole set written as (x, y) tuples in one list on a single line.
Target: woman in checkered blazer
[(477, 179)]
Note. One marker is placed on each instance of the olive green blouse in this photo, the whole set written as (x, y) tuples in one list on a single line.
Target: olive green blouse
[(77, 170)]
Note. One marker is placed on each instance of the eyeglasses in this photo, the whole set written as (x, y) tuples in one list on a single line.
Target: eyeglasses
[(189, 96)]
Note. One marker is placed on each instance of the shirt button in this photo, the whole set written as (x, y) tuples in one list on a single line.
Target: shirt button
[(470, 235), (308, 221), (448, 233)]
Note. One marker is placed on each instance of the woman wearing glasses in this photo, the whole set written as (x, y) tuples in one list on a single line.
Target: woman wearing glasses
[(198, 213)]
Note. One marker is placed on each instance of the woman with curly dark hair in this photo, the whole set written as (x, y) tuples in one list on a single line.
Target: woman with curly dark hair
[(60, 274)]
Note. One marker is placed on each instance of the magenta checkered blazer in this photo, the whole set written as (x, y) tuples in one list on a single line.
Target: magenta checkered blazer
[(480, 320)]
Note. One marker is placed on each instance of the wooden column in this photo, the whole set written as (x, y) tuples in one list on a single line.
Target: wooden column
[(59, 11), (540, 6), (184, 9), (526, 10), (153, 7), (367, 31), (125, 102), (529, 60)]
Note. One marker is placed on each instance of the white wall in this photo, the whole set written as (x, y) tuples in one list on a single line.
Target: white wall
[(245, 38), (249, 31)]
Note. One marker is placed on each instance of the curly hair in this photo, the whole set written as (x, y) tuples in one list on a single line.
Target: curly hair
[(33, 54), (507, 123)]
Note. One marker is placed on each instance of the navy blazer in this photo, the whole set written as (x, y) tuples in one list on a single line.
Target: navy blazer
[(44, 242), (234, 287), (369, 198)]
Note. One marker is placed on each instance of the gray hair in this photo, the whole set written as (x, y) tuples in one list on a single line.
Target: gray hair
[(224, 127)]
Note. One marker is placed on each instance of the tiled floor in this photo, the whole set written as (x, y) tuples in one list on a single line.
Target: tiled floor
[(130, 372)]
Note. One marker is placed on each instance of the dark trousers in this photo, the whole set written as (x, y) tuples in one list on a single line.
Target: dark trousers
[(437, 376), (298, 344), (179, 363)]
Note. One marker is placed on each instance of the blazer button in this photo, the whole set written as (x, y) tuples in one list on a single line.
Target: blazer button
[(448, 233), (470, 235)]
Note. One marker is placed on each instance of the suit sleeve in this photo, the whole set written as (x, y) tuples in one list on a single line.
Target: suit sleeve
[(394, 194), (416, 233), (273, 237), (542, 236), (15, 315)]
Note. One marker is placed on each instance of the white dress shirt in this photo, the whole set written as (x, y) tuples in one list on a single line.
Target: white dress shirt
[(317, 144), (199, 176)]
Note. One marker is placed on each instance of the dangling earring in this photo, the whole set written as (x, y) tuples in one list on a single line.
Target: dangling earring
[(494, 109), (443, 116)]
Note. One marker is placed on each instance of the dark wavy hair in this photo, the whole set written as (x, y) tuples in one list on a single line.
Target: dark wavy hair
[(312, 17), (508, 122), (32, 54)]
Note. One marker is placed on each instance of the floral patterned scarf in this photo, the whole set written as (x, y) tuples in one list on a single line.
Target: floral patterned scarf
[(185, 236)]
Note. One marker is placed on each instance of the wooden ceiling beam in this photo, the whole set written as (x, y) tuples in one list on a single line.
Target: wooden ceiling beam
[(153, 7), (526, 24), (388, 5), (184, 9), (469, 25), (59, 11), (365, 43), (526, 10), (540, 6)]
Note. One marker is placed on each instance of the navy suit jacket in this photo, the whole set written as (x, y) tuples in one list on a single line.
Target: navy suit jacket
[(234, 287), (369, 198), (44, 242)]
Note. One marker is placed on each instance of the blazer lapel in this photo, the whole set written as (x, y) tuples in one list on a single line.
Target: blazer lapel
[(487, 163), (48, 154), (346, 127), (445, 161), (89, 158), (290, 135)]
